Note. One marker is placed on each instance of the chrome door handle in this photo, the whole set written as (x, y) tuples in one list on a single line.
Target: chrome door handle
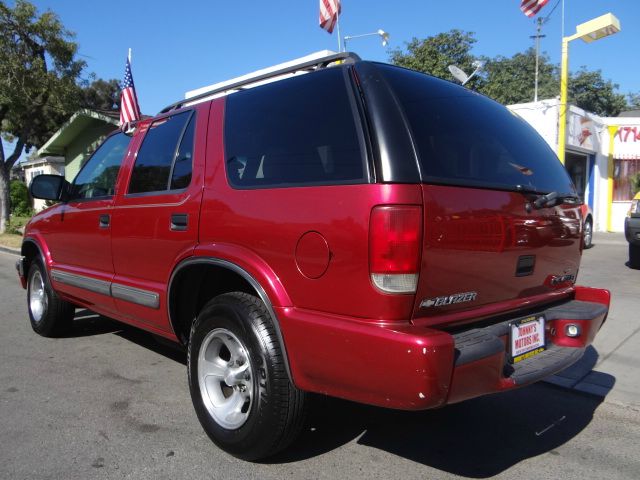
[(179, 222), (105, 221)]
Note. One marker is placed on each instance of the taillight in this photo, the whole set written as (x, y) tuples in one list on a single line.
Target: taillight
[(395, 238), (635, 208)]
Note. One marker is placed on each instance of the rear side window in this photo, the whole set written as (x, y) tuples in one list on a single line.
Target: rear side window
[(298, 131), (464, 138), (98, 176), (164, 159)]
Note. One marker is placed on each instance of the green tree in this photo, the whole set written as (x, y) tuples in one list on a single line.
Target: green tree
[(434, 54), (510, 80), (19, 193), (633, 101), (38, 83), (590, 91), (101, 95)]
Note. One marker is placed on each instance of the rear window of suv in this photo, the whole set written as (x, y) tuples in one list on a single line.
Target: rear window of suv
[(294, 132), (464, 138)]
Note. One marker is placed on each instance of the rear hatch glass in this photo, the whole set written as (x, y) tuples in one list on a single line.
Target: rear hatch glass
[(464, 138)]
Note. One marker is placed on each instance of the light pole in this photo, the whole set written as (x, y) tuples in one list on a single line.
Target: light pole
[(590, 31), (384, 35)]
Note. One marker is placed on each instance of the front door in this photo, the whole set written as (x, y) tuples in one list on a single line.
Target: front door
[(79, 238)]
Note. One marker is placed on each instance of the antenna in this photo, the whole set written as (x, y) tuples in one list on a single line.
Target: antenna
[(458, 74)]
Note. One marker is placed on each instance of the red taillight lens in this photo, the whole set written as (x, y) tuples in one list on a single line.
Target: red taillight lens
[(395, 239)]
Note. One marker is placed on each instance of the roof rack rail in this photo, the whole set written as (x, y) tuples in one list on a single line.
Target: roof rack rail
[(314, 64)]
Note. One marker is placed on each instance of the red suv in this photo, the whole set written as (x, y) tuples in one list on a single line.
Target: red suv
[(362, 231)]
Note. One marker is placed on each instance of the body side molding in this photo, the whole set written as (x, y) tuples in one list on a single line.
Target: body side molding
[(110, 289)]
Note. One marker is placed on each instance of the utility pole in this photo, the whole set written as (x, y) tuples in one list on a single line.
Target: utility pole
[(540, 21)]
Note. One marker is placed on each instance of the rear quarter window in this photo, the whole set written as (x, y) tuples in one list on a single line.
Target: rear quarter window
[(464, 138), (294, 132)]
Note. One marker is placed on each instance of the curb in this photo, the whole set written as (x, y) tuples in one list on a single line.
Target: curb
[(12, 251)]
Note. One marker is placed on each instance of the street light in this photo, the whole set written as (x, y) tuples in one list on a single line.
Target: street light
[(590, 31), (461, 76), (384, 35)]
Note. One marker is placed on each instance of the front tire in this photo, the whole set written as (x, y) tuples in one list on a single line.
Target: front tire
[(588, 233), (50, 316), (238, 381)]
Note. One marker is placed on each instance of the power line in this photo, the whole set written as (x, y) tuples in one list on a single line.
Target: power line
[(546, 19)]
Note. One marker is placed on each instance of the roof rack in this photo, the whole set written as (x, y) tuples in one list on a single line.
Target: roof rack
[(261, 75)]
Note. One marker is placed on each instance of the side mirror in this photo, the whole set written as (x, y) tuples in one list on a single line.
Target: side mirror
[(48, 187)]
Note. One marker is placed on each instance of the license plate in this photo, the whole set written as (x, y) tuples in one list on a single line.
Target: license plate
[(527, 338)]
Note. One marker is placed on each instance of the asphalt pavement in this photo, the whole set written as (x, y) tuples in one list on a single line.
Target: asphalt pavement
[(110, 401)]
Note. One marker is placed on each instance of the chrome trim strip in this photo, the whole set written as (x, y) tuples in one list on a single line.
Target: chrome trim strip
[(249, 278), (135, 295), (115, 290), (92, 284)]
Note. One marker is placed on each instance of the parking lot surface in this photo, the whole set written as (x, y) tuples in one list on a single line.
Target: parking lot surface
[(110, 401)]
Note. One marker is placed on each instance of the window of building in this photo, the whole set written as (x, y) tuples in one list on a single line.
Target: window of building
[(623, 171), (164, 159), (298, 131)]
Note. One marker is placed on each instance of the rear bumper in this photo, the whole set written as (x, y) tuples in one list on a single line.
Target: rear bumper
[(415, 368), (632, 230)]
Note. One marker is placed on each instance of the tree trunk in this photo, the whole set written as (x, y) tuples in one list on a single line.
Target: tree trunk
[(4, 197), (5, 173)]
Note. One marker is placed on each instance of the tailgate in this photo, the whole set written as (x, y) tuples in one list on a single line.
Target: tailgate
[(484, 254)]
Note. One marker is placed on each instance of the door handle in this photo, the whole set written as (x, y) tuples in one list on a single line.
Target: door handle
[(105, 220), (179, 222)]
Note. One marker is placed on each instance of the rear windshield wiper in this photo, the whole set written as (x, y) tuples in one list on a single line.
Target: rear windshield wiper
[(550, 199)]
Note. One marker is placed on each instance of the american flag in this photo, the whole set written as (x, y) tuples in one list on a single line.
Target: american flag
[(531, 7), (129, 110), (329, 11)]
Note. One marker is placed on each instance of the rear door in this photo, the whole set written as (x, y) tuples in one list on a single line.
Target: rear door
[(155, 218), (487, 247)]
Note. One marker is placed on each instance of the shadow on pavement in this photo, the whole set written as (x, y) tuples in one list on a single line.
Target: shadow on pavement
[(87, 323), (478, 438), (582, 376)]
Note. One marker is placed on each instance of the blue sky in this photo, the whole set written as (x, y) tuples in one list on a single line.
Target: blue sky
[(179, 46)]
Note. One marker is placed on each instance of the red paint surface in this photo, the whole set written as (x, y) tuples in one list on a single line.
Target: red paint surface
[(342, 335), (312, 255)]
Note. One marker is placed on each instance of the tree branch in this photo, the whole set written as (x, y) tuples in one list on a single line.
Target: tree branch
[(17, 151)]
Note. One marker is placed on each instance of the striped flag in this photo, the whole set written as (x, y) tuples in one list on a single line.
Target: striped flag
[(129, 110), (329, 11), (531, 7)]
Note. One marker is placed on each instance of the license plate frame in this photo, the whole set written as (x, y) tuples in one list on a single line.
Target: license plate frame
[(527, 338)]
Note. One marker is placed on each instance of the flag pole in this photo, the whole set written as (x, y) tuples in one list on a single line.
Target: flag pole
[(339, 36), (129, 56)]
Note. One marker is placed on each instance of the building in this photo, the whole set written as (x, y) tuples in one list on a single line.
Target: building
[(78, 138), (38, 166), (602, 154)]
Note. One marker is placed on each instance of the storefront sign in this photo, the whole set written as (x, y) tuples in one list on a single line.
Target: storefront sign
[(581, 132), (626, 142)]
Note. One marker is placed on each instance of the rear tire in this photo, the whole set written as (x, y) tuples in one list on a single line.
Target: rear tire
[(50, 316), (238, 380), (634, 256)]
